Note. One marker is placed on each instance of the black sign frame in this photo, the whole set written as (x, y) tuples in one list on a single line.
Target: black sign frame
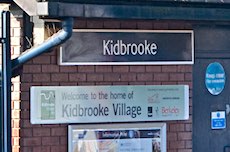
[(128, 47)]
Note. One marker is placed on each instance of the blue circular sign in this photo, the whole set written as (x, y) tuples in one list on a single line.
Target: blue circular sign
[(215, 78)]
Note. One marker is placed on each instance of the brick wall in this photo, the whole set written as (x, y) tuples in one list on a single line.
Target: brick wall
[(45, 71)]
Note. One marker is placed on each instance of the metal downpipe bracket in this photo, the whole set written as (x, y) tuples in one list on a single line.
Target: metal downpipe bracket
[(60, 37)]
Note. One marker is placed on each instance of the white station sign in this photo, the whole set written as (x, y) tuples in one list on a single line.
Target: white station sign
[(94, 104)]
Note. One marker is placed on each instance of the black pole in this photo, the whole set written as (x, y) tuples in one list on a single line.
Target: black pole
[(6, 82)]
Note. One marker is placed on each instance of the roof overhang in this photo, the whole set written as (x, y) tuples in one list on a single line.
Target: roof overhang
[(6, 1), (123, 11), (127, 9)]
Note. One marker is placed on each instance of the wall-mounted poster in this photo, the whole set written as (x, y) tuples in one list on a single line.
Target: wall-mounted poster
[(141, 137), (99, 104)]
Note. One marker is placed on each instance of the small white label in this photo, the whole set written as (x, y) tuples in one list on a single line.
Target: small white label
[(218, 120)]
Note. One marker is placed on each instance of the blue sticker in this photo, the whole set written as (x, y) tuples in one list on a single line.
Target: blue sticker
[(215, 78)]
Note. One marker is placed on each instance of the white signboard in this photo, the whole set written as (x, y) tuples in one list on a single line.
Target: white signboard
[(91, 104), (218, 120), (145, 137)]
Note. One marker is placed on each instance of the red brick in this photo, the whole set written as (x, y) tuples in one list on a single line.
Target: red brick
[(104, 69), (42, 60), (176, 144), (53, 60), (25, 105), (77, 77), (171, 136), (41, 132), (59, 77), (178, 25), (137, 68), (129, 77), (188, 127), (81, 23), (31, 141), (177, 127), (160, 25), (26, 86), (50, 141), (26, 132), (58, 148), (59, 131), (24, 114), (120, 69), (94, 77), (41, 149), (188, 77), (176, 76), (144, 77), (188, 144), (25, 123), (150, 68), (41, 78), (161, 76), (112, 77), (112, 24), (25, 95), (64, 140), (86, 69), (31, 68), (184, 136), (50, 68), (184, 68), (169, 68), (26, 78), (145, 25), (68, 69), (95, 24), (128, 24), (26, 149), (184, 150)]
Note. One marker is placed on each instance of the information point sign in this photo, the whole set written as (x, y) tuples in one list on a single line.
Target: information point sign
[(218, 120)]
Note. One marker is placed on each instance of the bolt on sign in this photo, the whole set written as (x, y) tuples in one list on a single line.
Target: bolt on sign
[(82, 104), (118, 47)]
